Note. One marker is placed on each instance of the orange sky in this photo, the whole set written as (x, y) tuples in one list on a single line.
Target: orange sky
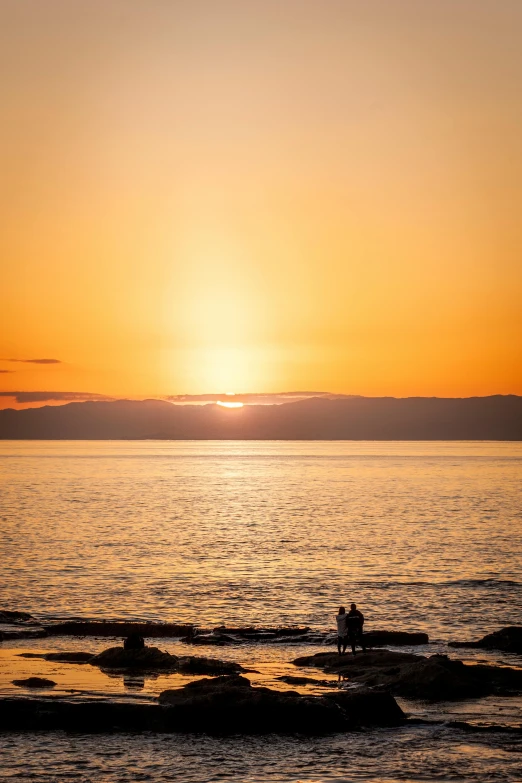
[(261, 195)]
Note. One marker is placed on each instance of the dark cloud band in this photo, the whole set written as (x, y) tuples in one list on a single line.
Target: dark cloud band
[(48, 396), (34, 361)]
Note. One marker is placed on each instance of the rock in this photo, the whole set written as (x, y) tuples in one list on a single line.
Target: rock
[(350, 663), (222, 705), (61, 657), (34, 682), (394, 638), (437, 678), (85, 716), (230, 705), (251, 632), (145, 658), (69, 657), (154, 658), (7, 616), (428, 679), (18, 632), (507, 639), (19, 625), (119, 629), (291, 680), (369, 708), (31, 655), (134, 642), (217, 639), (190, 664)]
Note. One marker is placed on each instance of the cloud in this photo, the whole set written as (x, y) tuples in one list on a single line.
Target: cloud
[(271, 398), (6, 370), (35, 361), (48, 396)]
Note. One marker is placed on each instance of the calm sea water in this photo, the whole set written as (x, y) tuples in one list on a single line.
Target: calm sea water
[(423, 536)]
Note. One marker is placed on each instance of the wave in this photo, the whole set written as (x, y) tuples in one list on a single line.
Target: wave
[(489, 728), (385, 585)]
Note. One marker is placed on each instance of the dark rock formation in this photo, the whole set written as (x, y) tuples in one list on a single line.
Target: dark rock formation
[(152, 658), (19, 625), (362, 661), (119, 629), (77, 715), (7, 616), (507, 639), (236, 635), (437, 678), (223, 705), (394, 638), (144, 658), (291, 680), (134, 642), (69, 657), (60, 657), (34, 682), (367, 707), (214, 639), (190, 664), (231, 705), (293, 635), (8, 633), (251, 632)]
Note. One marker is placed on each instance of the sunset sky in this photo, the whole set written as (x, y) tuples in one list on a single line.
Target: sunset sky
[(261, 196)]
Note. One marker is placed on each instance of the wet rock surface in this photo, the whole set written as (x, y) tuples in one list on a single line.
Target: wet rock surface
[(225, 635), (221, 705), (507, 639), (8, 616), (15, 624), (436, 678), (291, 680), (145, 658), (69, 657), (123, 629), (152, 658), (34, 682), (192, 664), (395, 638), (19, 625), (61, 657), (230, 704)]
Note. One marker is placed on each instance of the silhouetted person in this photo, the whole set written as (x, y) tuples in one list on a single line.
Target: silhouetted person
[(355, 622), (342, 630), (134, 642)]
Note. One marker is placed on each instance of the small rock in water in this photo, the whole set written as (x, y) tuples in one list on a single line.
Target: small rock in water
[(35, 682), (292, 680), (69, 657), (191, 664)]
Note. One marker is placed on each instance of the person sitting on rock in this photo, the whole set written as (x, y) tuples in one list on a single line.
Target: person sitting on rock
[(134, 642), (355, 622), (342, 630)]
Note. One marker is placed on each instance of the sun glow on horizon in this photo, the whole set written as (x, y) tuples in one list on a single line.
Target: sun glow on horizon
[(224, 404)]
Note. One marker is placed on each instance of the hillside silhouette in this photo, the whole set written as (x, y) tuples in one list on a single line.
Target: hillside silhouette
[(356, 418)]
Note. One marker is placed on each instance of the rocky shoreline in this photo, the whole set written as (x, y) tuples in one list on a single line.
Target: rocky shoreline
[(363, 693), (426, 678), (20, 625)]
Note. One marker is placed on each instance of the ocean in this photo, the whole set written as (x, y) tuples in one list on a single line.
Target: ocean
[(423, 536)]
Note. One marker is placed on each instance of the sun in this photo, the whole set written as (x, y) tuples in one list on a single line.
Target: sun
[(230, 404)]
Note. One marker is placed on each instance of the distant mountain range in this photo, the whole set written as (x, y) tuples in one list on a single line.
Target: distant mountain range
[(354, 418)]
